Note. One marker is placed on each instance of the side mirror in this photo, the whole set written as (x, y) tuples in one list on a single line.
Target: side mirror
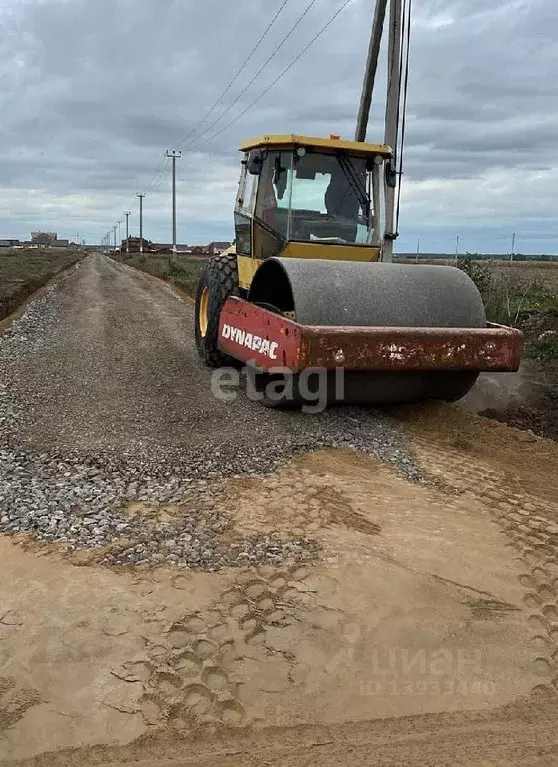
[(391, 176), (255, 162)]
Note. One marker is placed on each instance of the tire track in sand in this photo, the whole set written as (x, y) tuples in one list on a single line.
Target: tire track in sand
[(194, 672), (529, 527)]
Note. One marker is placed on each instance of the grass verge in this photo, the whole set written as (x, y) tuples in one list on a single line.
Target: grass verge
[(543, 349), (22, 272), (507, 293), (184, 275)]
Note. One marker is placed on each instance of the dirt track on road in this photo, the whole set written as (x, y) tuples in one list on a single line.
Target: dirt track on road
[(421, 629)]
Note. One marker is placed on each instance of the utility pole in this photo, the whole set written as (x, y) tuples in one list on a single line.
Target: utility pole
[(127, 214), (392, 121), (119, 236), (456, 248), (174, 155), (141, 196), (370, 70), (114, 229), (513, 249), (418, 250), (397, 26)]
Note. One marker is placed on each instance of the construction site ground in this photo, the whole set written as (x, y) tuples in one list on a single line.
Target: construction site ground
[(408, 614)]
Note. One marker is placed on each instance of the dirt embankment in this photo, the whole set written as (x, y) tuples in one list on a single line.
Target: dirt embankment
[(523, 294), (22, 272), (527, 399)]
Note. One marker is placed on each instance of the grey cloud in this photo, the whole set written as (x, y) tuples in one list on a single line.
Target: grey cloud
[(96, 91)]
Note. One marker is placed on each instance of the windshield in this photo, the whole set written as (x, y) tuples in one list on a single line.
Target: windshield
[(316, 197)]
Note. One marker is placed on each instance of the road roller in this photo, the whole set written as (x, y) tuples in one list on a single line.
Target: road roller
[(308, 294)]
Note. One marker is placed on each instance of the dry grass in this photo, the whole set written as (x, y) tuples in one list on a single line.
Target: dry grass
[(185, 275), (508, 288), (22, 272)]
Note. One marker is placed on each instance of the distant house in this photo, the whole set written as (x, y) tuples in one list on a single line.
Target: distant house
[(165, 247), (216, 248), (41, 235), (44, 238), (9, 243), (41, 238)]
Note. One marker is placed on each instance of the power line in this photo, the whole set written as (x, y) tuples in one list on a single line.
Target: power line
[(279, 77), (157, 178), (155, 182), (236, 76), (161, 177), (258, 73), (161, 170)]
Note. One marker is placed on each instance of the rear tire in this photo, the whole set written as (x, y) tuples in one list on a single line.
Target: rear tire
[(218, 281)]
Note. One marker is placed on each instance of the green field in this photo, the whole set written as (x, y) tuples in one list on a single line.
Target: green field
[(184, 275)]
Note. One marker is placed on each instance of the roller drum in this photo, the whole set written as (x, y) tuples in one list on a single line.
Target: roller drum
[(347, 293)]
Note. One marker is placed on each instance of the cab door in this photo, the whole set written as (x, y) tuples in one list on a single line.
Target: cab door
[(244, 210)]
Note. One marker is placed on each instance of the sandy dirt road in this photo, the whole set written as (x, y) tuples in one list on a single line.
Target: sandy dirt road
[(420, 627)]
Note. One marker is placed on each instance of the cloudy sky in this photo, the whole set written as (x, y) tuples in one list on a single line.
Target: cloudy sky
[(92, 93)]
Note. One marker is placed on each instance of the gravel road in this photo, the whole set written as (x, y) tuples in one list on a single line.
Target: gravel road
[(355, 615), (103, 402)]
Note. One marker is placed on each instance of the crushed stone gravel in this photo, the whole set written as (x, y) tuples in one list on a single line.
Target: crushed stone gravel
[(104, 407)]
